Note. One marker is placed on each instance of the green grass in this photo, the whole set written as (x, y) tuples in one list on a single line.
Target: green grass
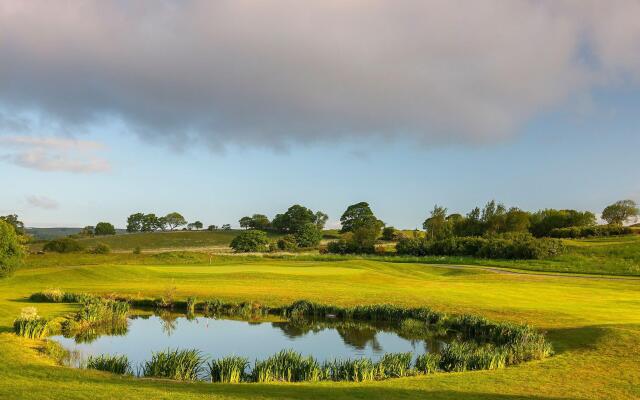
[(594, 324)]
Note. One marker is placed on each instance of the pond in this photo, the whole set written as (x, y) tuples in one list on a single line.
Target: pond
[(325, 339)]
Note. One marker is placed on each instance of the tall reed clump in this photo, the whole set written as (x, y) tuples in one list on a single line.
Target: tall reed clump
[(182, 365), (116, 364), (468, 356), (96, 310), (58, 296), (394, 365), (287, 366), (427, 363), (228, 369), (358, 370), (191, 305), (30, 324)]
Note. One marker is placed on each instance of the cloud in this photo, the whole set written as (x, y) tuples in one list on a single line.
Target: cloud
[(278, 71), (53, 154), (42, 202)]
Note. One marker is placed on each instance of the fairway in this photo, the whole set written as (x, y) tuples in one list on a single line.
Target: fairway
[(594, 325)]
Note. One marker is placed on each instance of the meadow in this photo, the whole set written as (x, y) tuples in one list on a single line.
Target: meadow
[(593, 322)]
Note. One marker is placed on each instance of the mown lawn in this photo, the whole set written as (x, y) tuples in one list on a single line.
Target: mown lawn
[(594, 325)]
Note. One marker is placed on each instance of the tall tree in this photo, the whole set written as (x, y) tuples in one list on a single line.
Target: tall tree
[(104, 228), (293, 219), (175, 220), (11, 249), (149, 223), (14, 221), (134, 222), (620, 212), (198, 225), (437, 225), (245, 222), (320, 219), (355, 215)]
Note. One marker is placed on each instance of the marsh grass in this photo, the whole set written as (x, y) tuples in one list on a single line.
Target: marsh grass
[(427, 363), (287, 366), (358, 370), (32, 328), (228, 369), (395, 365), (116, 364), (182, 365)]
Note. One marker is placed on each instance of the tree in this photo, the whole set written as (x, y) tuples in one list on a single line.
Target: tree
[(355, 215), (104, 228), (293, 219), (11, 249), (544, 221), (174, 220), (190, 226), (320, 219), (213, 228), (87, 231), (620, 212), (150, 223), (134, 222), (12, 219), (226, 227), (198, 225), (389, 233), (361, 239), (516, 220), (309, 235), (259, 221), (245, 222), (249, 241), (437, 226)]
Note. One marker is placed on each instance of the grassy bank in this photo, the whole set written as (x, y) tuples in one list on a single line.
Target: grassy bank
[(594, 325)]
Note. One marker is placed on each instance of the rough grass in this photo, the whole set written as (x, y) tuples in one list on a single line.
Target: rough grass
[(594, 325)]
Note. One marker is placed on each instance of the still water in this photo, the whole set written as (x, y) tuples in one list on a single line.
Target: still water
[(219, 337)]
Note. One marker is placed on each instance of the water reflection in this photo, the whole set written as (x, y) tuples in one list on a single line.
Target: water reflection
[(324, 339)]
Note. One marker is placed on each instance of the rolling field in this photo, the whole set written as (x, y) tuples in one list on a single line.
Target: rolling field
[(594, 324)]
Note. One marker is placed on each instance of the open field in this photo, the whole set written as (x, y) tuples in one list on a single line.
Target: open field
[(593, 324)]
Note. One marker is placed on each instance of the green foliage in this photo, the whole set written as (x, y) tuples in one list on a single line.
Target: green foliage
[(182, 365), (544, 221), (286, 366), (100, 248), (361, 240), (427, 363), (308, 235), (590, 231), (355, 215), (359, 370), (394, 365), (30, 324), (515, 248), (228, 369), (320, 219), (98, 311), (620, 212), (250, 241), (116, 364), (287, 243), (134, 222), (174, 220), (11, 249), (104, 228), (256, 221), (438, 227), (390, 233), (63, 245), (14, 221), (191, 304), (294, 219)]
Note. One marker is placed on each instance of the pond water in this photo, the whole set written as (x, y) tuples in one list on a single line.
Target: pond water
[(219, 337)]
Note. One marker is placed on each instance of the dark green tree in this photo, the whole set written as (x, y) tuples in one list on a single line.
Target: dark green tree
[(293, 219), (174, 220), (14, 221), (245, 222), (354, 215), (134, 222), (437, 225), (11, 249), (309, 235), (104, 228), (250, 241)]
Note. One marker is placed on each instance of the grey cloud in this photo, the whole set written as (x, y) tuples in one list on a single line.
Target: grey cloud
[(273, 72), (42, 202)]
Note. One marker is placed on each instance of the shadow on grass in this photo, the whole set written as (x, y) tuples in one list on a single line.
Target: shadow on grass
[(577, 339)]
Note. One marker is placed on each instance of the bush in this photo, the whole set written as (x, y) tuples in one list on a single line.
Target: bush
[(287, 243), (104, 228), (308, 235), (100, 248), (250, 241), (519, 247), (11, 250), (590, 231), (63, 245), (390, 233)]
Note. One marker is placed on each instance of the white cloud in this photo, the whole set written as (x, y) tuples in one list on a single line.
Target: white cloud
[(53, 154), (274, 71), (42, 202)]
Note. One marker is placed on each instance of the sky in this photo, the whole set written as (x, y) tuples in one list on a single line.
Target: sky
[(228, 108)]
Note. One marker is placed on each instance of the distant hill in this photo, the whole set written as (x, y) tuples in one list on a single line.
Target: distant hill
[(53, 233)]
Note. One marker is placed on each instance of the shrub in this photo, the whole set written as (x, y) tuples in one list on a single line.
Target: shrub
[(389, 233), (308, 235), (100, 248), (48, 296), (250, 241), (514, 247), (116, 364), (590, 231), (182, 365), (228, 369), (104, 228), (63, 245), (287, 243), (137, 250), (11, 249)]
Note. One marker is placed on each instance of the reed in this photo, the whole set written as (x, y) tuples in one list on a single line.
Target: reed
[(287, 366), (427, 363), (228, 369), (182, 365), (191, 304), (32, 328), (116, 364), (394, 365), (358, 370)]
